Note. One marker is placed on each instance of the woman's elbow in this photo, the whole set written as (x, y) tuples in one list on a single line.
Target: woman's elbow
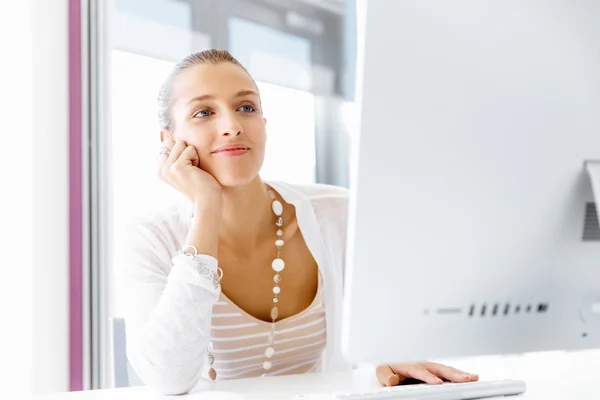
[(170, 384), (166, 381), (172, 388)]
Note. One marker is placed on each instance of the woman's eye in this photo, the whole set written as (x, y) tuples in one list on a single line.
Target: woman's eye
[(203, 113), (247, 108)]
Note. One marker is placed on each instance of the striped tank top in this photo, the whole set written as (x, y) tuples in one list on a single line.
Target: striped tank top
[(239, 340)]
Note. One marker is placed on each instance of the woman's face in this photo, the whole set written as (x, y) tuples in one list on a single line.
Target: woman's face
[(216, 109)]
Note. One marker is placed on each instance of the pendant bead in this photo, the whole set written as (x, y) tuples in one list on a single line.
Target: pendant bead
[(269, 352), (277, 208), (212, 374), (278, 265)]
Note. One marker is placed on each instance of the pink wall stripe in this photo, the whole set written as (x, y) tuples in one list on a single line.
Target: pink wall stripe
[(75, 200)]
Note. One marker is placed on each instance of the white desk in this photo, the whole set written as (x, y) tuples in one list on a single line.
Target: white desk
[(549, 376)]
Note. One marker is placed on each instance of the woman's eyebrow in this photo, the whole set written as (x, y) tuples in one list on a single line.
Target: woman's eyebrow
[(200, 98), (246, 93), (241, 93)]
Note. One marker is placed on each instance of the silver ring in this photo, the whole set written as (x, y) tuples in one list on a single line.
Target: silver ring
[(164, 150)]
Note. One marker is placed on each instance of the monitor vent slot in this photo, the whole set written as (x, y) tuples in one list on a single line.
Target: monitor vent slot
[(499, 310), (591, 228)]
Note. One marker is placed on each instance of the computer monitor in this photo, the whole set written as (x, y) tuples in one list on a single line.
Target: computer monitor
[(473, 228)]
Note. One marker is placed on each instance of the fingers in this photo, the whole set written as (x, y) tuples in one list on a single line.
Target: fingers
[(428, 372), (190, 155), (449, 373), (178, 157), (386, 376), (176, 151), (417, 371), (164, 155), (168, 158)]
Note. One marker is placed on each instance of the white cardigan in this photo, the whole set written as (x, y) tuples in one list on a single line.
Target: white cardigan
[(168, 314)]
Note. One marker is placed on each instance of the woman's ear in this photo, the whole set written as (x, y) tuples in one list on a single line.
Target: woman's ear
[(165, 134)]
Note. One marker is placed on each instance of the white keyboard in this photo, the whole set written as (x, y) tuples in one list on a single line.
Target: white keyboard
[(445, 391)]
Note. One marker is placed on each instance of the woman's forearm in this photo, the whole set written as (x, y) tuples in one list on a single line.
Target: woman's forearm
[(169, 318)]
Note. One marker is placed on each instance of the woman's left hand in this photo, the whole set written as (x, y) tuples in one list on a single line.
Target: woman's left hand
[(428, 372)]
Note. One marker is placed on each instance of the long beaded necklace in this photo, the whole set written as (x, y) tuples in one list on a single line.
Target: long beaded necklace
[(277, 265)]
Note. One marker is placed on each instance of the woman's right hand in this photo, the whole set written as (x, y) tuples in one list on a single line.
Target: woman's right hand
[(179, 166)]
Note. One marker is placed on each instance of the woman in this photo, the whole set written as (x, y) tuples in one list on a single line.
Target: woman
[(271, 303)]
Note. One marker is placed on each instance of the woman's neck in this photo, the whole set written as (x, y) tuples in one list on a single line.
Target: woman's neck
[(246, 215)]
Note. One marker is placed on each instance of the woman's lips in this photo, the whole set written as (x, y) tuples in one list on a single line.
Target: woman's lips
[(233, 152)]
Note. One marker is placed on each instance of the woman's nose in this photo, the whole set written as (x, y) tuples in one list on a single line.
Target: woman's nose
[(229, 125)]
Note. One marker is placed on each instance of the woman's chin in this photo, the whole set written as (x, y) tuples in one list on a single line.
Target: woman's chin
[(235, 180)]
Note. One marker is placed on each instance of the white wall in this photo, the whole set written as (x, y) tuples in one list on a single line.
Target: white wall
[(50, 197), (15, 197)]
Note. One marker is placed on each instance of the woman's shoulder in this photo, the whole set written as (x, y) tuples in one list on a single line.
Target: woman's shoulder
[(330, 209), (323, 193), (329, 202), (150, 239), (320, 190), (322, 197), (167, 224)]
